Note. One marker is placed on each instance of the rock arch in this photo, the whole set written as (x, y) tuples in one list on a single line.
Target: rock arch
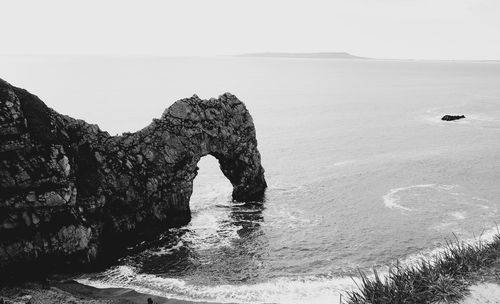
[(70, 192)]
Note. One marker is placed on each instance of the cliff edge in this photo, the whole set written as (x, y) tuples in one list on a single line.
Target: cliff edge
[(71, 194)]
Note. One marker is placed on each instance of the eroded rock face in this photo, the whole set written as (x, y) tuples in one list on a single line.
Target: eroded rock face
[(71, 193)]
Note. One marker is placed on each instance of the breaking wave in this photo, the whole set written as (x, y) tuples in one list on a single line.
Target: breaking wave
[(280, 290)]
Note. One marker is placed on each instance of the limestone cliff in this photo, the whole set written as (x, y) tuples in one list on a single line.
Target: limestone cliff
[(72, 194)]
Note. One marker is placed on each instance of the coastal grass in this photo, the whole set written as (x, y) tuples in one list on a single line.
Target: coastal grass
[(443, 279)]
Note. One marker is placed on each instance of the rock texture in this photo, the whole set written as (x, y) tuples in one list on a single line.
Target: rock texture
[(452, 117), (72, 194)]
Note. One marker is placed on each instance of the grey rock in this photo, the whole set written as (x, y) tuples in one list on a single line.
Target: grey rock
[(85, 195), (452, 117)]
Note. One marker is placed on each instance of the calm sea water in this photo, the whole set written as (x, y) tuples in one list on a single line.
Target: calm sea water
[(361, 171)]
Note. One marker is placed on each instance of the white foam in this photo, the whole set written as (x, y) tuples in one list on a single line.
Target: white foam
[(443, 187), (343, 163), (459, 215), (167, 251), (281, 290), (431, 254), (480, 199), (207, 197), (392, 199), (319, 290), (209, 230)]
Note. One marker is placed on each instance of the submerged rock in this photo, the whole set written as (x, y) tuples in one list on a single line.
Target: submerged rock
[(452, 117), (72, 194)]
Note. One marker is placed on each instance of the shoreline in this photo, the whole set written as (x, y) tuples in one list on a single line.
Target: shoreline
[(76, 293), (459, 274), (464, 273)]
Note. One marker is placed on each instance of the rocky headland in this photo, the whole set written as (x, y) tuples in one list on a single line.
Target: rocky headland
[(317, 55), (72, 195)]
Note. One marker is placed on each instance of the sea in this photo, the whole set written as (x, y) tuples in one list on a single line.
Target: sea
[(362, 172)]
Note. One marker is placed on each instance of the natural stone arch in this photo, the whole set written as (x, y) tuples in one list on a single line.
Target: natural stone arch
[(71, 192), (224, 129)]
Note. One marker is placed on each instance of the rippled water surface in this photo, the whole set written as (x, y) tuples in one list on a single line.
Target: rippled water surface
[(361, 170)]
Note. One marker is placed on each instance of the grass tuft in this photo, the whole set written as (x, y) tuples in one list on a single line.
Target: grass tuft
[(443, 279)]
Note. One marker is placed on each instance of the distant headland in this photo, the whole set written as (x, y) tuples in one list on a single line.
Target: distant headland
[(320, 55)]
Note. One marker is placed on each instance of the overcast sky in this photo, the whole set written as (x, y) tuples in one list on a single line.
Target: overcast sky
[(419, 29)]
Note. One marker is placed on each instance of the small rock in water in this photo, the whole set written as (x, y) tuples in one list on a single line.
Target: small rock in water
[(452, 117)]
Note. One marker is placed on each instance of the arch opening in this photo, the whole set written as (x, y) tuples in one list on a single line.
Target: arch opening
[(210, 184)]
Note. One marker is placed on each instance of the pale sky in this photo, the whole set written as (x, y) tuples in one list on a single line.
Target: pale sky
[(417, 29)]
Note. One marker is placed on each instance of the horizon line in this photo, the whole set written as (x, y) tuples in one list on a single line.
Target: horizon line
[(263, 54)]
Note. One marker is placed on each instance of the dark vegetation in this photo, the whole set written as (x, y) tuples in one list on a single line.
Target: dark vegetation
[(444, 279)]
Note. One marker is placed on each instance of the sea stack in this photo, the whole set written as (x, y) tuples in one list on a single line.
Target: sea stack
[(452, 117), (71, 194)]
